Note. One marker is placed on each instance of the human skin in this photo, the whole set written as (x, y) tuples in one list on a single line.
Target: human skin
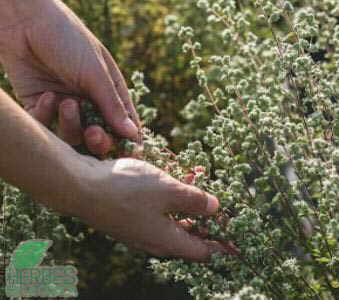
[(53, 61), (47, 48), (129, 199)]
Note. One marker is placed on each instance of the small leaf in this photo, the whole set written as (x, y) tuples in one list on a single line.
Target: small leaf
[(323, 260), (30, 253)]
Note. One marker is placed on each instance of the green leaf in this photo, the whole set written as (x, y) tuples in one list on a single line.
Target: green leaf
[(336, 127), (30, 253), (323, 260), (317, 287), (332, 242)]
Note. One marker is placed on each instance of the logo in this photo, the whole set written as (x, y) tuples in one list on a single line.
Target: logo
[(26, 278)]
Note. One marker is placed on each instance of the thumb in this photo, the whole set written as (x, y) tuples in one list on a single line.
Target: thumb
[(191, 200), (104, 94)]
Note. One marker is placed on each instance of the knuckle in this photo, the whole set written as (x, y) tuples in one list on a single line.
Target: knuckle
[(134, 168)]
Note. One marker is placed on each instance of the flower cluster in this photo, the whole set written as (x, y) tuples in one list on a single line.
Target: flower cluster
[(270, 152)]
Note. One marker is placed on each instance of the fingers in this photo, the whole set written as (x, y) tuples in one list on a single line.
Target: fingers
[(187, 224), (45, 109), (69, 122), (121, 86), (228, 246), (104, 94), (191, 200), (97, 141), (177, 242)]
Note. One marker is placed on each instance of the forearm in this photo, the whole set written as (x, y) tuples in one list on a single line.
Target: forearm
[(35, 160)]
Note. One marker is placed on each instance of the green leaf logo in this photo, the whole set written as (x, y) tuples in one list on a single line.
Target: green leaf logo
[(30, 253)]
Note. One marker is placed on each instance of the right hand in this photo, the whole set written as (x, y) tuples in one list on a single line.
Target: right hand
[(53, 61), (131, 200)]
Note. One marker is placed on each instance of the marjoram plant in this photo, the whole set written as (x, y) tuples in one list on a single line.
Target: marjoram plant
[(270, 153)]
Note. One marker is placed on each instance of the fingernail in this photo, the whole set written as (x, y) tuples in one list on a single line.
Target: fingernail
[(96, 139), (212, 205), (69, 111), (131, 128)]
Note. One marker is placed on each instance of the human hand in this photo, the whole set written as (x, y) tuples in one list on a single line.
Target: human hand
[(131, 200), (50, 50)]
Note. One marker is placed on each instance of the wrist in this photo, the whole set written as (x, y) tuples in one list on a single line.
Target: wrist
[(77, 188), (84, 183)]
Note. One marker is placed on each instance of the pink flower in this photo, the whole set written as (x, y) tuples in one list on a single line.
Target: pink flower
[(189, 178), (199, 169)]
